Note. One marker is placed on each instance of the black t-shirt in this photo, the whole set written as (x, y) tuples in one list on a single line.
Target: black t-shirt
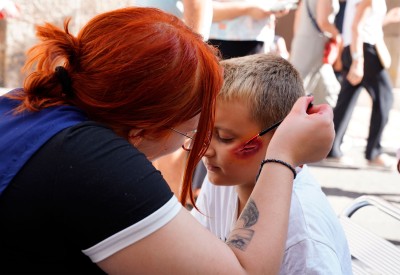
[(82, 188)]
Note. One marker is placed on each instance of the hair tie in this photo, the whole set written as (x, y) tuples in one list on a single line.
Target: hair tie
[(65, 80)]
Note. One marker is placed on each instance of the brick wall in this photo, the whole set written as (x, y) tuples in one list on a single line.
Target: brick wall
[(18, 34)]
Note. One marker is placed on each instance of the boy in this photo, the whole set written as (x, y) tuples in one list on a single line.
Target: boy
[(259, 90)]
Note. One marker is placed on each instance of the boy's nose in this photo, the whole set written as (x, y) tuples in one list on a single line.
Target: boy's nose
[(210, 150)]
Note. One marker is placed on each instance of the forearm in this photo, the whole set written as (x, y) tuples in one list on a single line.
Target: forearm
[(270, 201), (229, 10), (356, 46), (329, 29), (324, 9), (356, 72), (393, 16), (197, 15), (297, 17)]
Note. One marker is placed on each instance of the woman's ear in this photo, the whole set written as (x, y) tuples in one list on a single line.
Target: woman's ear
[(135, 136)]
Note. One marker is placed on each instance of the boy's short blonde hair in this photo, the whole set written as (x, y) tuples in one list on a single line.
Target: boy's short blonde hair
[(268, 83)]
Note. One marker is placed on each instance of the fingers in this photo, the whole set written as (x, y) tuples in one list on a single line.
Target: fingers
[(281, 13), (353, 79), (322, 109), (305, 106), (305, 135), (356, 73), (302, 104)]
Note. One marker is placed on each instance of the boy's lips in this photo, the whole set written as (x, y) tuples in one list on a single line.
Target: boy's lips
[(211, 167)]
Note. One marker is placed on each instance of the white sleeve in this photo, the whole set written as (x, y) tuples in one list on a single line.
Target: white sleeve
[(135, 232), (202, 203)]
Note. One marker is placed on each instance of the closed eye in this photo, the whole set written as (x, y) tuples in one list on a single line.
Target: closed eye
[(224, 139)]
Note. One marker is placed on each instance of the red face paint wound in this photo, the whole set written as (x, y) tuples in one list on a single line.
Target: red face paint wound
[(243, 150), (248, 149)]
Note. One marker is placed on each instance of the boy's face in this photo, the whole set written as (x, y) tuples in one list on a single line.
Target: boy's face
[(226, 160)]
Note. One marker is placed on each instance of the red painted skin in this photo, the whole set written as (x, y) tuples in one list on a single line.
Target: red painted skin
[(244, 151), (251, 147)]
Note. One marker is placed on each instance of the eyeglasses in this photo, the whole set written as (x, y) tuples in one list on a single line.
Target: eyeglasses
[(188, 144)]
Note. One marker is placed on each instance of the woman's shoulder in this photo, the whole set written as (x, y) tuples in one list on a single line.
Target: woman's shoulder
[(88, 134), (96, 143)]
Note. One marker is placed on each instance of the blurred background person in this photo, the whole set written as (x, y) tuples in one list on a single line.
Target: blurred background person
[(242, 28), (9, 9), (278, 45), (314, 26), (393, 16), (195, 13), (363, 68)]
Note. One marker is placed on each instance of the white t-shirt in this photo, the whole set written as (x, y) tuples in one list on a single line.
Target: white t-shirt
[(316, 243), (372, 29)]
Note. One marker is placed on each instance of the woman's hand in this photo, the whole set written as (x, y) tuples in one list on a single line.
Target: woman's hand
[(305, 135), (258, 11), (356, 72)]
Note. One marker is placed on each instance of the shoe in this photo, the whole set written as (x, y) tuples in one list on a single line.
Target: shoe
[(339, 162), (343, 160), (383, 161)]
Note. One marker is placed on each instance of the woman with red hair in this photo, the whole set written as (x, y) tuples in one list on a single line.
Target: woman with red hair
[(78, 193)]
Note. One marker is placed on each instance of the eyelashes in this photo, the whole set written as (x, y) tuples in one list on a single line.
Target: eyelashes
[(226, 140)]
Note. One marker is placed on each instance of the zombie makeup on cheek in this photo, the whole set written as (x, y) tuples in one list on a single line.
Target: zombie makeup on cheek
[(250, 142), (246, 149)]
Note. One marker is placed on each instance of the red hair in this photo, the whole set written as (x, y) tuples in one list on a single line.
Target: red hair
[(132, 68)]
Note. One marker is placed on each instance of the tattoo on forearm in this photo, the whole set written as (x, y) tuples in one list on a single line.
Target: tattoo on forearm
[(240, 238), (250, 214), (242, 235)]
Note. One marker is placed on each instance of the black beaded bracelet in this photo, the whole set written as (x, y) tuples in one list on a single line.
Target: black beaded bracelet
[(277, 161)]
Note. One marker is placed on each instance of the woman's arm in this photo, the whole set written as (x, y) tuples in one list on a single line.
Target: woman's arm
[(183, 246), (393, 16), (356, 72), (198, 15), (297, 16), (323, 11), (231, 10)]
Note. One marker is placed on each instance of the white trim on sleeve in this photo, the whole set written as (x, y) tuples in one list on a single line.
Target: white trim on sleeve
[(135, 232)]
